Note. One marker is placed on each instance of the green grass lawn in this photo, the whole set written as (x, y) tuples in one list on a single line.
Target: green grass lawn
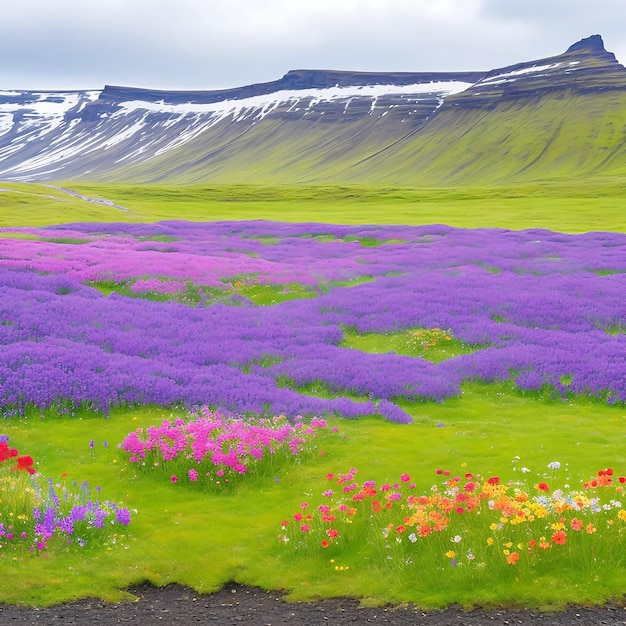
[(184, 535)]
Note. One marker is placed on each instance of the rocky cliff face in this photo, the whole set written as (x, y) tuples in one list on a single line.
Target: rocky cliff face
[(308, 126)]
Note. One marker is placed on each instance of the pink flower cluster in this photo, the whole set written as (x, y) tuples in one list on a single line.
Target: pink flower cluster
[(217, 446)]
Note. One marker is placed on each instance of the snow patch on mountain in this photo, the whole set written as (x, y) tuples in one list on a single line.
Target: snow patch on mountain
[(269, 102), (44, 111)]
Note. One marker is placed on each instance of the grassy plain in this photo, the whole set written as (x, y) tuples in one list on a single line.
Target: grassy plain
[(573, 206), (183, 535)]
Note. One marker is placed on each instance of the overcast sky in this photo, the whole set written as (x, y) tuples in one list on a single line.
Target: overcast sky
[(212, 44)]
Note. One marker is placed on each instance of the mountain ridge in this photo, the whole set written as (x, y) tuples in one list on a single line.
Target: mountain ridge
[(313, 126)]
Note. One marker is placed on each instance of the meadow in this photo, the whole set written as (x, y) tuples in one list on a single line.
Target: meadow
[(395, 394)]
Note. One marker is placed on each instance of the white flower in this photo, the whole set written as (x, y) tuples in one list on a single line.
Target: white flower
[(456, 539), (525, 470), (554, 465), (412, 537)]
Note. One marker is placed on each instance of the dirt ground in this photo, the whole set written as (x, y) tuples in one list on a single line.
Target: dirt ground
[(237, 604)]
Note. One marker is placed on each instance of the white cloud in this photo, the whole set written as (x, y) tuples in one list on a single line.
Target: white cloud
[(194, 44)]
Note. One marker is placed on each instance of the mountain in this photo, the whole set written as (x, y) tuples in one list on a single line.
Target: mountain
[(559, 117)]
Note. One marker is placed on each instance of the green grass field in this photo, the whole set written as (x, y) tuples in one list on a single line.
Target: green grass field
[(572, 206), (186, 536)]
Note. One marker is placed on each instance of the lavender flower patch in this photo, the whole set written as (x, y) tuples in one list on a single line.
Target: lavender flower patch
[(545, 309)]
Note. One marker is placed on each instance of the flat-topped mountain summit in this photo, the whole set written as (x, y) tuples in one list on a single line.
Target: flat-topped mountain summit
[(561, 116)]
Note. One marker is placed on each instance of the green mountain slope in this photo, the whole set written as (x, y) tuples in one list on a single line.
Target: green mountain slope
[(562, 118), (567, 120)]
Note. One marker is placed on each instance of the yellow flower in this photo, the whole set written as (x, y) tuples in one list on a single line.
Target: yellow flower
[(450, 554), (622, 515), (489, 541)]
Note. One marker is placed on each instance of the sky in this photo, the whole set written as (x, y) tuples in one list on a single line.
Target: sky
[(216, 44)]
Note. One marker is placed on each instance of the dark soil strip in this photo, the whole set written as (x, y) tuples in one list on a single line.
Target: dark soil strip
[(236, 605)]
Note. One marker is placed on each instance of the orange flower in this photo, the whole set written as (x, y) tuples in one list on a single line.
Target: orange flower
[(590, 528), (512, 558), (325, 544), (424, 530), (559, 537)]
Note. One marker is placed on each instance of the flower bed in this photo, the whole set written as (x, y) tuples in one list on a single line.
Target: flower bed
[(469, 522), (536, 309), (37, 514), (215, 452)]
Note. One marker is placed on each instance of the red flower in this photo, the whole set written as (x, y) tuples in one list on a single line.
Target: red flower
[(6, 452), (325, 544), (25, 463), (559, 537), (543, 487), (494, 480)]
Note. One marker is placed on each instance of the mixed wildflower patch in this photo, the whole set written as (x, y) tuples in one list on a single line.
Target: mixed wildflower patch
[(38, 514), (469, 522)]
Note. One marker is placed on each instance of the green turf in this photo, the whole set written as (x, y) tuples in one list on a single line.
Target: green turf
[(182, 535), (203, 540), (575, 206)]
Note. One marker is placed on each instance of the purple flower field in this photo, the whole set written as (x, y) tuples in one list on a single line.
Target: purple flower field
[(543, 309)]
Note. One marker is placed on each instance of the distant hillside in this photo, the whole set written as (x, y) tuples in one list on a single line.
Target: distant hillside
[(560, 117)]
